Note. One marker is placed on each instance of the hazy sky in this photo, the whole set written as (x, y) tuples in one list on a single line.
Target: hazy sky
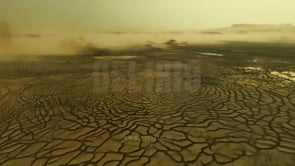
[(128, 15)]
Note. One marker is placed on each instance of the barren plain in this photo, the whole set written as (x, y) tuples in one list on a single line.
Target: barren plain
[(225, 104)]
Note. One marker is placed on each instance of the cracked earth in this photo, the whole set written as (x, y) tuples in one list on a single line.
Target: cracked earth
[(58, 112)]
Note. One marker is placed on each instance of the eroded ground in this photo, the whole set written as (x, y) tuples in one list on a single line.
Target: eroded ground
[(181, 106)]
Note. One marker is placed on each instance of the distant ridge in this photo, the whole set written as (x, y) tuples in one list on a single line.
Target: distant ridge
[(259, 25)]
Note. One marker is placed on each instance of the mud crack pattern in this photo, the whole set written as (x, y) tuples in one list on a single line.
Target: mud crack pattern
[(235, 118)]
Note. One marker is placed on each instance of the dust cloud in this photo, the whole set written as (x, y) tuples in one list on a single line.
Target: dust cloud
[(5, 38), (38, 44)]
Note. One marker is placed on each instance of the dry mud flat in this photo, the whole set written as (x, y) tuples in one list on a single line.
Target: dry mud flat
[(198, 110)]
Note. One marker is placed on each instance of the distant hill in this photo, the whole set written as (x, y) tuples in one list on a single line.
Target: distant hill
[(261, 26), (253, 28)]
